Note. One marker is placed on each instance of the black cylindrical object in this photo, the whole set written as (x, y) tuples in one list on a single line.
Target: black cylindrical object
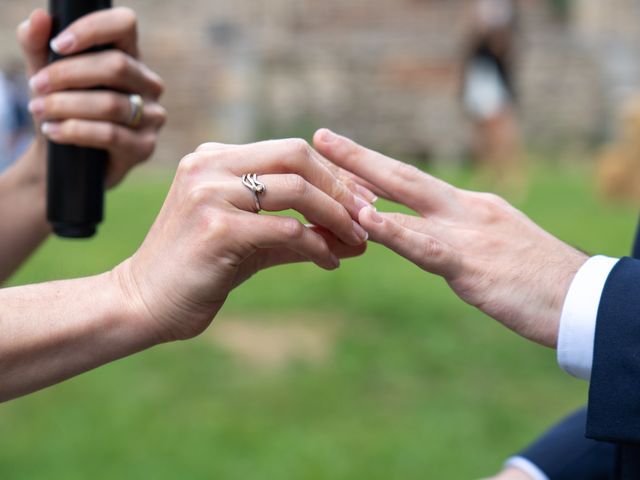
[(76, 175)]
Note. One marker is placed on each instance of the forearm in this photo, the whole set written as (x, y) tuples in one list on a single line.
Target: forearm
[(51, 332), (22, 209)]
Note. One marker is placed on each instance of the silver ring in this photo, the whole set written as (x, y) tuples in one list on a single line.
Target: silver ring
[(250, 180), (137, 109)]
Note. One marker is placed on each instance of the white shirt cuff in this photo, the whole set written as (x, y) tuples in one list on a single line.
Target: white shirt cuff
[(526, 466), (579, 314)]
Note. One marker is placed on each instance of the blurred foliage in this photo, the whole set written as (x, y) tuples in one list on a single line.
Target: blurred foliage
[(418, 385)]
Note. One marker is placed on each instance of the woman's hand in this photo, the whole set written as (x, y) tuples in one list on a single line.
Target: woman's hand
[(492, 255), (208, 238), (67, 109)]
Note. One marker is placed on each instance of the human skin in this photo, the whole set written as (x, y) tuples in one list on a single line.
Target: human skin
[(205, 242), (491, 255), (81, 117), (511, 474)]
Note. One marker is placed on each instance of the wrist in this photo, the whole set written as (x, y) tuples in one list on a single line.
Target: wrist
[(28, 178), (31, 168), (560, 289), (133, 306)]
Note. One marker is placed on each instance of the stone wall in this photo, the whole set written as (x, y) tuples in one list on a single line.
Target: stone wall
[(386, 72)]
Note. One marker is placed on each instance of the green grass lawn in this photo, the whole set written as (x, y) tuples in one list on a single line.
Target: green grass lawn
[(417, 385)]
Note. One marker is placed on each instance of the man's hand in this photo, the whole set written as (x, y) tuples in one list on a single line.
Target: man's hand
[(67, 110), (492, 255)]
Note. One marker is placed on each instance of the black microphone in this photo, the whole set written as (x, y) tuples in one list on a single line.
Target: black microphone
[(76, 175)]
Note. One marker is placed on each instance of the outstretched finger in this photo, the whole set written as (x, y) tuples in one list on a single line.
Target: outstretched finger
[(426, 251), (397, 181), (354, 183)]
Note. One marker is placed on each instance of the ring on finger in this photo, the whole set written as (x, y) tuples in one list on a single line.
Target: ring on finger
[(137, 107), (250, 180)]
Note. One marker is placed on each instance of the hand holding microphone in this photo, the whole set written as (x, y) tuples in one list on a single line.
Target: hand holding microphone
[(100, 100)]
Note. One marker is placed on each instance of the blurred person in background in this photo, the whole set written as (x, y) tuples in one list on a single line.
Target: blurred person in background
[(16, 123), (618, 172), (6, 122), (22, 123), (489, 94)]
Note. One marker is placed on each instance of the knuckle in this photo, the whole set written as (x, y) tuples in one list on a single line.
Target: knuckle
[(219, 225), (431, 249), (343, 218), (299, 151), (406, 172), (113, 106), (396, 235), (110, 134), (322, 246), (348, 183), (493, 208), (53, 104), (128, 17), (205, 147), (495, 199), (339, 191), (148, 145), (292, 228), (162, 116), (198, 196), (71, 129), (160, 87), (296, 184), (58, 74), (119, 63), (190, 165)]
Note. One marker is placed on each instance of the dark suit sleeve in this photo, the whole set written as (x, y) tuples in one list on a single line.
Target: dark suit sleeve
[(563, 453), (614, 394)]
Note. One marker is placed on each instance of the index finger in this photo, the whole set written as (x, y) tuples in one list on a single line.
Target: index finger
[(397, 181), (33, 35), (114, 26)]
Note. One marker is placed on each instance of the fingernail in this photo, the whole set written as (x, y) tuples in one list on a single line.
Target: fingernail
[(63, 43), (36, 106), (366, 193), (39, 82), (25, 24), (50, 129), (335, 261), (374, 215), (327, 136), (361, 233)]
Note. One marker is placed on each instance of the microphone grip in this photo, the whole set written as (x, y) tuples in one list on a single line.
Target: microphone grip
[(75, 175)]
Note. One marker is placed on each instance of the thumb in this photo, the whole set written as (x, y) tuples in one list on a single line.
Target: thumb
[(425, 251), (33, 36)]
